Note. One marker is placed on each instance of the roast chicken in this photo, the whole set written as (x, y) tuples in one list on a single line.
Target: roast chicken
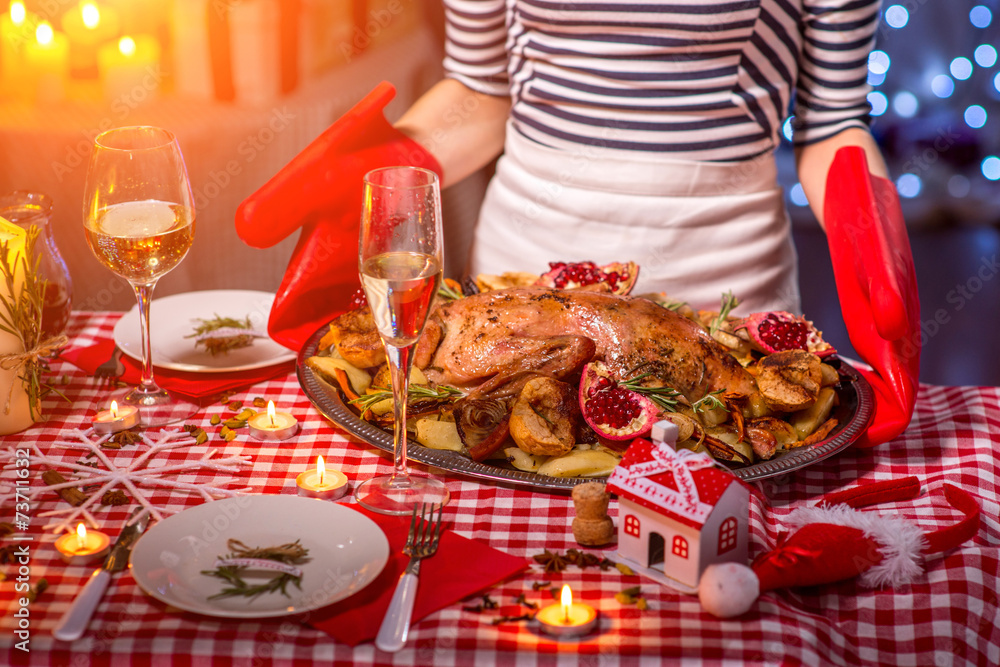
[(489, 341)]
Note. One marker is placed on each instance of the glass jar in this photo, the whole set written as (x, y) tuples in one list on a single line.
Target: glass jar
[(34, 209)]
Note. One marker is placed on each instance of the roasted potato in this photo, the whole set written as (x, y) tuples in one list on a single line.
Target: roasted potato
[(544, 417)]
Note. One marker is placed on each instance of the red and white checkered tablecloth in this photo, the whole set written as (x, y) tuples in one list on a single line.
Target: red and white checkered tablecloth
[(947, 617)]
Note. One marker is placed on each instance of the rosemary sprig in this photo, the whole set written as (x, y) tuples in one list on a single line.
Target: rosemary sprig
[(448, 291), (289, 554), (669, 398), (222, 344), (416, 392), (729, 301), (709, 402), (665, 397)]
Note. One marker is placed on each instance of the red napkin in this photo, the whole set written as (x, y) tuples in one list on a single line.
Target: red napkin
[(460, 568), (193, 386), (877, 284), (320, 191)]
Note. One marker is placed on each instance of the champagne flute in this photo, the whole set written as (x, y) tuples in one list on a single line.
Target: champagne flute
[(400, 259), (138, 217)]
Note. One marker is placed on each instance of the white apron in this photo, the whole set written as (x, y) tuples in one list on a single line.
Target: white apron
[(696, 229)]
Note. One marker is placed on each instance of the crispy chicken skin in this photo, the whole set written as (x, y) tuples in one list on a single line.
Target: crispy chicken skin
[(502, 332)]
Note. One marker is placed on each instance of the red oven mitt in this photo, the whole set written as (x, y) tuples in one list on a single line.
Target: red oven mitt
[(877, 285), (320, 191)]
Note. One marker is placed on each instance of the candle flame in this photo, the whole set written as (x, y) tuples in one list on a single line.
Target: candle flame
[(81, 537), (126, 46), (44, 33), (18, 13), (320, 469), (91, 15), (114, 409), (566, 599), (270, 411)]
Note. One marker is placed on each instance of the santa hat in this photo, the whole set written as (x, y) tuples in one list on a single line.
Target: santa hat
[(833, 543)]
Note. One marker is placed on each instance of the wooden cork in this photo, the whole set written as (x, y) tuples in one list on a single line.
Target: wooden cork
[(592, 526)]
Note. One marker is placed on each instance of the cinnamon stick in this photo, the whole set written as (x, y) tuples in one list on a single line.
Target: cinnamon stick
[(74, 497)]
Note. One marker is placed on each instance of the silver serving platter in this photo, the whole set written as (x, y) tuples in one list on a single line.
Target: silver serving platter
[(854, 413)]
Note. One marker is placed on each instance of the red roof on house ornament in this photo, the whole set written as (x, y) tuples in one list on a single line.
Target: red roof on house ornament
[(680, 484)]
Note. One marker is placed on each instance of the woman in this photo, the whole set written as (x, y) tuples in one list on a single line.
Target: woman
[(645, 132)]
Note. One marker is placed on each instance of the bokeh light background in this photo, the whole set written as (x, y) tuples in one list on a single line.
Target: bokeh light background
[(935, 103)]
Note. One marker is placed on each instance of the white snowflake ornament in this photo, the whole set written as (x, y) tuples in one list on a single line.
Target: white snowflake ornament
[(134, 478)]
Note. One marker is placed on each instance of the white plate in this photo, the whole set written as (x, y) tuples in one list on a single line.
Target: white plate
[(174, 317), (347, 550)]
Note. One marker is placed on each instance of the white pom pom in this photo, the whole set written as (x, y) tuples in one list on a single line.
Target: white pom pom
[(728, 589)]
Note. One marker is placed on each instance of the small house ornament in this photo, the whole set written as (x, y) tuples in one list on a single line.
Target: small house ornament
[(678, 513)]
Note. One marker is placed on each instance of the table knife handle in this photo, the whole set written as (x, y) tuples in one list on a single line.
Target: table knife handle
[(74, 622), (396, 624)]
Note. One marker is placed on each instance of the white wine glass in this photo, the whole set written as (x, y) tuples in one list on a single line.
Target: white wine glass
[(138, 216), (400, 258)]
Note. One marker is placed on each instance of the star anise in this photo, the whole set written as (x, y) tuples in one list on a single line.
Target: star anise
[(581, 559), (114, 498), (122, 439), (551, 562)]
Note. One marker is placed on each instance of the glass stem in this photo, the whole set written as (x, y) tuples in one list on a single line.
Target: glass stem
[(143, 295), (399, 359)]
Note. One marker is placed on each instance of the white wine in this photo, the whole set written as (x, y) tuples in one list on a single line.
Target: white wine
[(400, 287), (143, 240)]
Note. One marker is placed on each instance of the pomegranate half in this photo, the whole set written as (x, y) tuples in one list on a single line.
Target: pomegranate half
[(620, 278), (778, 331), (613, 411)]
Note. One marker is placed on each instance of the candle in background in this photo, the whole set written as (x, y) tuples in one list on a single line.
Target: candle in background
[(47, 63), (87, 26), (17, 28), (130, 68), (15, 416)]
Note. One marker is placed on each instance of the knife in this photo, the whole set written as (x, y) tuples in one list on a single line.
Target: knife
[(74, 622)]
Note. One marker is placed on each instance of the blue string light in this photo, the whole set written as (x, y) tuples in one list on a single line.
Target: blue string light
[(980, 16), (961, 68), (986, 55), (909, 185), (878, 102), (896, 16), (943, 86), (991, 168), (975, 116)]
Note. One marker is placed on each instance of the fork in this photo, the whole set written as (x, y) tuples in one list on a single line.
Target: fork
[(112, 368), (421, 542)]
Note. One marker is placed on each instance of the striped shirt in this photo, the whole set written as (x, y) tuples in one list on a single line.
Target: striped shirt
[(700, 80)]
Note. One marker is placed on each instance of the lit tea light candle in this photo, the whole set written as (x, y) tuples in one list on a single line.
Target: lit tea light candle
[(273, 425), (116, 419), (567, 619), (83, 546), (322, 483)]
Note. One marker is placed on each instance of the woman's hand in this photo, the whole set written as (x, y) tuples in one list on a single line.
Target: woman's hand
[(463, 129), (814, 160)]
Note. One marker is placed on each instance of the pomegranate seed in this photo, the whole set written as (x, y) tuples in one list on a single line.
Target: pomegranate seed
[(615, 407), (783, 335)]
